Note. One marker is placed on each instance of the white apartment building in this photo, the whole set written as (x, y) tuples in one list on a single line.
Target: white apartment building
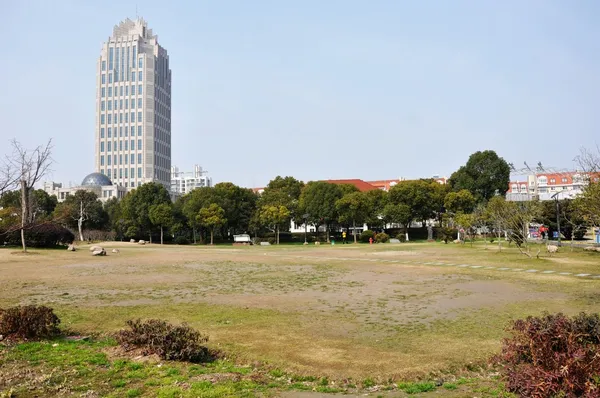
[(184, 182), (133, 108), (547, 186)]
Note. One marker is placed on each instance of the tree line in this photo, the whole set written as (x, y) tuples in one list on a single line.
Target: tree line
[(472, 201)]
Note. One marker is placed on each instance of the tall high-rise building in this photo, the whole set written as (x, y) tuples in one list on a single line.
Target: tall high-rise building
[(133, 107)]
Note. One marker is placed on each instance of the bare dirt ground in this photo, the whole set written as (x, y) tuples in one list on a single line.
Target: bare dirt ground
[(343, 310)]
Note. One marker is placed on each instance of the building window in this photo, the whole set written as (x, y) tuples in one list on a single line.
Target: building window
[(108, 172), (139, 172), (139, 89), (126, 118), (132, 117), (126, 104), (133, 103), (103, 91), (564, 180), (102, 147), (126, 91), (553, 181), (103, 78), (110, 91), (102, 119), (140, 76), (139, 130), (120, 117), (110, 118), (115, 174), (139, 145), (140, 63), (132, 76), (115, 157), (103, 65), (109, 132), (108, 159), (110, 103), (110, 77), (121, 91), (101, 132), (126, 130), (139, 117), (132, 157), (126, 175), (132, 182), (133, 89), (126, 142), (139, 158), (139, 102), (102, 105)]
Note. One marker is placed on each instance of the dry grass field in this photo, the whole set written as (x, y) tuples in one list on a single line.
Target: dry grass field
[(376, 314)]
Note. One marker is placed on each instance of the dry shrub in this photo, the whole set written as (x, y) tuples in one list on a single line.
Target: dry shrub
[(552, 355), (29, 322), (170, 342)]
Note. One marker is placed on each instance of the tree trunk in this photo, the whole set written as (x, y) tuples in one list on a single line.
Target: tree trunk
[(327, 232), (354, 230), (277, 230), (211, 237), (150, 239), (24, 208), (194, 234), (80, 228), (161, 234)]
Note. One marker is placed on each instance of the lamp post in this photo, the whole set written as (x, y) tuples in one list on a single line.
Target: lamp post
[(555, 197)]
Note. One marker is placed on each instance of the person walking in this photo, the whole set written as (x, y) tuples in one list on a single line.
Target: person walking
[(344, 237)]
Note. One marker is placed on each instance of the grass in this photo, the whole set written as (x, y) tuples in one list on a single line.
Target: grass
[(345, 314)]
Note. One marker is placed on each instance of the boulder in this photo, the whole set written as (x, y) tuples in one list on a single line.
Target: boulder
[(99, 252), (265, 244), (142, 242), (393, 240), (552, 249), (131, 240), (305, 243), (95, 248), (457, 241), (317, 243), (115, 250), (71, 247)]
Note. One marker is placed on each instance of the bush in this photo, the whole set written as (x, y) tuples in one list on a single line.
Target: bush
[(272, 240), (170, 342), (41, 235), (382, 237), (401, 237), (181, 240), (365, 235), (29, 322), (552, 355), (446, 234)]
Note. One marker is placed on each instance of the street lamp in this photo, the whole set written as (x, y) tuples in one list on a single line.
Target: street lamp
[(555, 197), (305, 216)]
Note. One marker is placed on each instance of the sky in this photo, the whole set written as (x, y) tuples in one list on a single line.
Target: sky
[(315, 89)]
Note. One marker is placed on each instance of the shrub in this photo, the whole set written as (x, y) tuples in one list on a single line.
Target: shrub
[(40, 235), (29, 322), (365, 235), (178, 343), (181, 240), (446, 234), (552, 355), (272, 240), (401, 237), (382, 237)]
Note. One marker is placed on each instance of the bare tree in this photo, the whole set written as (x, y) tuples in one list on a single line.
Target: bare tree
[(589, 160), (7, 177), (30, 166)]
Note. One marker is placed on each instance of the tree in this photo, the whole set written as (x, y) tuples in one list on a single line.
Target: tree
[(8, 177), (421, 198), (485, 175), (161, 215), (239, 205), (30, 167), (459, 202), (81, 207), (587, 204), (467, 223), (192, 202), (376, 199), (212, 217), (352, 207), (273, 217), (112, 208), (135, 207), (318, 200), (589, 160), (282, 192), (399, 213)]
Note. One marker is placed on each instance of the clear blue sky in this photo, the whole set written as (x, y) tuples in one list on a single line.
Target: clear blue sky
[(319, 89)]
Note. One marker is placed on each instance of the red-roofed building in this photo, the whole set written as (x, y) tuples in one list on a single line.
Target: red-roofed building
[(361, 185)]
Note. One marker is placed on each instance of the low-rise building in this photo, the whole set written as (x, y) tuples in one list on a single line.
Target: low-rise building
[(98, 183), (545, 186)]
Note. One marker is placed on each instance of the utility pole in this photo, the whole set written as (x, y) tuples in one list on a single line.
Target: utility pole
[(555, 197)]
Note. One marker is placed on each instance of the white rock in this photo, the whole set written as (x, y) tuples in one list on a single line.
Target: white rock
[(95, 248), (100, 252), (142, 242), (132, 241), (115, 250), (71, 248), (552, 249)]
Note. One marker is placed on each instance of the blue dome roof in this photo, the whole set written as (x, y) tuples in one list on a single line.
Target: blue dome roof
[(96, 179)]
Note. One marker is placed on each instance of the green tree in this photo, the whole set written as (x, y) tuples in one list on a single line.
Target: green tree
[(135, 207), (192, 202), (422, 197), (41, 204), (485, 175), (161, 215), (273, 216), (116, 223), (376, 199), (462, 201), (79, 209), (318, 201), (353, 207), (282, 191), (587, 204), (212, 217), (399, 213)]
